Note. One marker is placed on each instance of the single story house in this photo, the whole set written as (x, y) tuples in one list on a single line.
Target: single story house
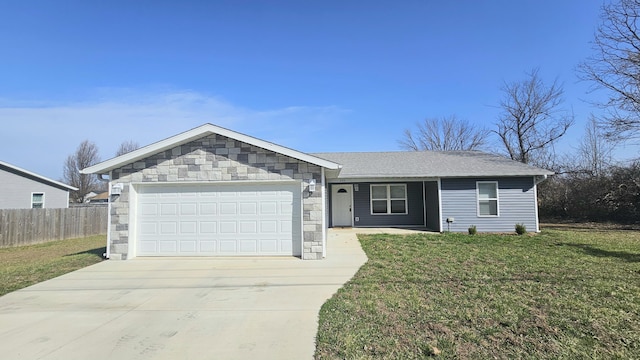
[(23, 189), (211, 191), (100, 198)]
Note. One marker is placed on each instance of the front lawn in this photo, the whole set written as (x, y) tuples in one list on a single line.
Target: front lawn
[(558, 294), (27, 265)]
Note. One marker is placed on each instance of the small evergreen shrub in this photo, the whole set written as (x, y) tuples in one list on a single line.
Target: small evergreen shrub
[(521, 229), (473, 230)]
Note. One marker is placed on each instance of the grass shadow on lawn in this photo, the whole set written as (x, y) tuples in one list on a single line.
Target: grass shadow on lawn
[(99, 251), (594, 251)]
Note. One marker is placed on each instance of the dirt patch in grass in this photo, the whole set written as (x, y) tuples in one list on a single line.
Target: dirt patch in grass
[(561, 294), (27, 265)]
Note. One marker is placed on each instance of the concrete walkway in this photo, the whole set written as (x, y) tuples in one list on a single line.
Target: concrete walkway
[(185, 308)]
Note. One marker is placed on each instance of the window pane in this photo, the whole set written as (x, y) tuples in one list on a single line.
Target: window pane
[(487, 191), (378, 192), (488, 207), (379, 206), (37, 197), (398, 207), (397, 191), (36, 206)]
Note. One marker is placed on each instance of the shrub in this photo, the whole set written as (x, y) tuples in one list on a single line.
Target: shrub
[(521, 229), (473, 230)]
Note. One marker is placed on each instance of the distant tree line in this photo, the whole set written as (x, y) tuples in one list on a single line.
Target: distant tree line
[(589, 184)]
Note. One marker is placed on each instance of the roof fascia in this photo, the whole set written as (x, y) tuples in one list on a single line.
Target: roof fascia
[(32, 174), (365, 178)]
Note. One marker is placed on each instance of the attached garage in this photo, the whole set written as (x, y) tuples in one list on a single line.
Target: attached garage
[(211, 191), (229, 219)]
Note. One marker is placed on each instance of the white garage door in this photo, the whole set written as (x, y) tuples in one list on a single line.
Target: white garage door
[(218, 220)]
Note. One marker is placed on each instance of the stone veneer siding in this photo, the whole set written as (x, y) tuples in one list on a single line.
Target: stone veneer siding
[(217, 158)]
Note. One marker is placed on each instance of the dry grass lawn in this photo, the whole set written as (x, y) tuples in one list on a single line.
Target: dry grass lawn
[(27, 265)]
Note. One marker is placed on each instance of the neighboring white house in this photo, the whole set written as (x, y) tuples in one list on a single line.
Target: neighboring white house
[(22, 189)]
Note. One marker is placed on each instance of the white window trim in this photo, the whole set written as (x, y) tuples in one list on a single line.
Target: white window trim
[(497, 198), (389, 198), (43, 199)]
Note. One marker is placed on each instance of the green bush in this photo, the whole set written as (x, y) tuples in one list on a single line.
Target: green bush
[(521, 229), (473, 230)]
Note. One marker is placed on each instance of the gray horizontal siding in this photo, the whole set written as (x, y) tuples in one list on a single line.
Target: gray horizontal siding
[(516, 198), (432, 205), (15, 192), (415, 206)]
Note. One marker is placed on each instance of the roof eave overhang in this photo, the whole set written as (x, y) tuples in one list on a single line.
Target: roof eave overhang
[(39, 177), (433, 176), (197, 133)]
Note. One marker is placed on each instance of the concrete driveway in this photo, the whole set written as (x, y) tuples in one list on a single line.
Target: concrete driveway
[(185, 308)]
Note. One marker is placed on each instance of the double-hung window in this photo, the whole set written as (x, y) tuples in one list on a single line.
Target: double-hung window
[(488, 198), (37, 200), (388, 199)]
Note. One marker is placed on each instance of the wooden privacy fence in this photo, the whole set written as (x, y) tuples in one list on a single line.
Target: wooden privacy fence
[(31, 226)]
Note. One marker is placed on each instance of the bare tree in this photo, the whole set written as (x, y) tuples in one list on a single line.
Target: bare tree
[(444, 134), (595, 151), (127, 147), (615, 67), (532, 119), (86, 155)]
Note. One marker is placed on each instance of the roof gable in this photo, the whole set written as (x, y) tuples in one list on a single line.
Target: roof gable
[(197, 133), (33, 176)]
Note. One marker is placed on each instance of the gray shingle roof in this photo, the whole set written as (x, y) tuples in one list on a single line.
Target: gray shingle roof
[(428, 164)]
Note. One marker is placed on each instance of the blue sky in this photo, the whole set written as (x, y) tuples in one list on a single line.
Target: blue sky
[(314, 76)]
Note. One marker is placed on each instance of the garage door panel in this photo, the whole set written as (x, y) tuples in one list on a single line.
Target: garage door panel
[(209, 220), (189, 227), (208, 227), (268, 207), (228, 246), (168, 209), (168, 246), (148, 228), (249, 246), (286, 226), (208, 246), (208, 208), (285, 245), (188, 209), (228, 227), (149, 246), (248, 227), (189, 246), (168, 228), (228, 208), (268, 226), (248, 208), (149, 209)]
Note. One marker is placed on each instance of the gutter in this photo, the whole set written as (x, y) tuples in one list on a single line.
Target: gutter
[(107, 254)]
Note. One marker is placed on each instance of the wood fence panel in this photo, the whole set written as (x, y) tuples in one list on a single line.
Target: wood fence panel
[(32, 226)]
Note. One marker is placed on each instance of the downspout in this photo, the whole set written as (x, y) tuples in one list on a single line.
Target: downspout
[(107, 254)]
